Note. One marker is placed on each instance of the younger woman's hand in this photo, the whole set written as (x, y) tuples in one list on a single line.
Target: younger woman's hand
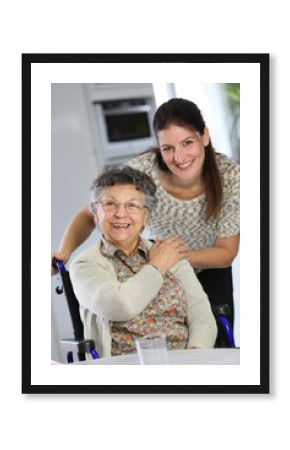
[(58, 255), (166, 253)]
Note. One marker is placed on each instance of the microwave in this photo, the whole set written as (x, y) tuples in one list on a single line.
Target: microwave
[(125, 127)]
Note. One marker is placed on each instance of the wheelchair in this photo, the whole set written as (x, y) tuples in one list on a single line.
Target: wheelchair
[(77, 345), (225, 337), (218, 285), (80, 346)]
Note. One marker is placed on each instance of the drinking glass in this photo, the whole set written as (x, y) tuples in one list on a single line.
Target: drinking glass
[(152, 349)]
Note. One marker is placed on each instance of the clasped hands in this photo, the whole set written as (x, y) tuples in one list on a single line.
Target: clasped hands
[(164, 254)]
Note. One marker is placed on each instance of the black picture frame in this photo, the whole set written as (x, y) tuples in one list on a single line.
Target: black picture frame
[(262, 60)]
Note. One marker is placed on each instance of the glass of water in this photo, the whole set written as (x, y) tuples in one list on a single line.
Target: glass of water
[(152, 349)]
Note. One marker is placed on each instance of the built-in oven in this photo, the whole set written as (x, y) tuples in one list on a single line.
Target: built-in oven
[(125, 127)]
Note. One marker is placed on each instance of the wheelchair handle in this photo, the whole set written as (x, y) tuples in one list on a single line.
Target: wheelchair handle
[(58, 264)]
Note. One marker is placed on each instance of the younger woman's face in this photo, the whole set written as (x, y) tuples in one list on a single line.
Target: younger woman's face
[(182, 150)]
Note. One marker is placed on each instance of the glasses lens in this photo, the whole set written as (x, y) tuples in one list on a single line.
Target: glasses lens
[(109, 205), (130, 207)]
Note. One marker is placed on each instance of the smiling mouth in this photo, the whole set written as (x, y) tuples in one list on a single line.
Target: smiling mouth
[(185, 165), (121, 226)]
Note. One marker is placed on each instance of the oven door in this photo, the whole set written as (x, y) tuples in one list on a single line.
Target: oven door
[(127, 124)]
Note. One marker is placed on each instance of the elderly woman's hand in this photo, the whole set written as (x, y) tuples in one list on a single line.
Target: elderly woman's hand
[(165, 254)]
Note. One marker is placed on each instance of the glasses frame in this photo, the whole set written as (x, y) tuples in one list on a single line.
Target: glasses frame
[(117, 205)]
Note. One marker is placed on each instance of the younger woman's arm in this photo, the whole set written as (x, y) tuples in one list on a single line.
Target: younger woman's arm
[(220, 255), (77, 231)]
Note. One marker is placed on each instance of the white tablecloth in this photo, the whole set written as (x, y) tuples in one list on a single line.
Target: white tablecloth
[(220, 356)]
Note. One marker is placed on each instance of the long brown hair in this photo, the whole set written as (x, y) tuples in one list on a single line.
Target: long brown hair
[(181, 112)]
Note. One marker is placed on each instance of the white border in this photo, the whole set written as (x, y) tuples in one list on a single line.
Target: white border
[(248, 75)]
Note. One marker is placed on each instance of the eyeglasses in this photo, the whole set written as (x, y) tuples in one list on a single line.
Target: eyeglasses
[(113, 206)]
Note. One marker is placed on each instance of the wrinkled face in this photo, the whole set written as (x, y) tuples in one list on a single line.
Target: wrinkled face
[(183, 152), (121, 215)]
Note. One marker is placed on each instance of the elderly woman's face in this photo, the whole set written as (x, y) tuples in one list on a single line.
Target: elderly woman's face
[(121, 215)]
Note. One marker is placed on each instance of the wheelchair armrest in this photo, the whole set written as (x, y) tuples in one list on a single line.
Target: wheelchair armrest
[(225, 336), (78, 345)]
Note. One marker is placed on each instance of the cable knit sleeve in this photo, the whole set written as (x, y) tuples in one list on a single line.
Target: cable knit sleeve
[(229, 221), (144, 162)]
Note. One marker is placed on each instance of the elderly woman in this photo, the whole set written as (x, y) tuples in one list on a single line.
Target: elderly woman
[(128, 287)]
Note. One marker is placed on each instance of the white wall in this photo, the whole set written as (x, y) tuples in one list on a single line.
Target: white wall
[(252, 420), (74, 164)]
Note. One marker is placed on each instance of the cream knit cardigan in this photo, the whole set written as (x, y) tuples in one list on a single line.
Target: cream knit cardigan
[(104, 299)]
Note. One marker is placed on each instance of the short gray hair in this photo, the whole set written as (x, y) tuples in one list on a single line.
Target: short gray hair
[(121, 175)]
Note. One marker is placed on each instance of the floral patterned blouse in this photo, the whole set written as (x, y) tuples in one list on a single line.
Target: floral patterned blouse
[(166, 313)]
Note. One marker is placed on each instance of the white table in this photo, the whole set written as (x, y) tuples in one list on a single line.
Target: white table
[(215, 356)]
